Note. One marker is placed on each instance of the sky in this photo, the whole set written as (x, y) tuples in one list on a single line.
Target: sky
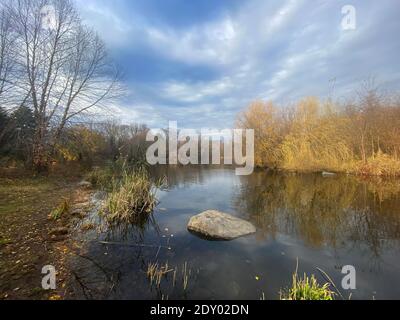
[(201, 62)]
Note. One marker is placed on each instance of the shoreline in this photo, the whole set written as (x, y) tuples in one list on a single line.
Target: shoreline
[(30, 239)]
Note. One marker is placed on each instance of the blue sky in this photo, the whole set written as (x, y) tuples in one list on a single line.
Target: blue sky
[(200, 62)]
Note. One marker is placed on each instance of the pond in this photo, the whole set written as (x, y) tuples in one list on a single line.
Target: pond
[(321, 222)]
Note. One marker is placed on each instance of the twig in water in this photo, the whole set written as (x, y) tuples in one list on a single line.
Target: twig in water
[(133, 245)]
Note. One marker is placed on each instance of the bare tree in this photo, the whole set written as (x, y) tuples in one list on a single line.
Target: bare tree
[(62, 69), (7, 41)]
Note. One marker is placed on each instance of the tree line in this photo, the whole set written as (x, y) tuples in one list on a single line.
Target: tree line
[(360, 136), (54, 72), (55, 75), (89, 144)]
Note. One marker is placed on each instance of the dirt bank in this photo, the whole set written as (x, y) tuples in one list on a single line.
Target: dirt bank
[(30, 238)]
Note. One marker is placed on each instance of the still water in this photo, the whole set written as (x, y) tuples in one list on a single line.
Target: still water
[(323, 222)]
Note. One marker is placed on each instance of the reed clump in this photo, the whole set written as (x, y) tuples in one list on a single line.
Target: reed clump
[(307, 288), (131, 199), (172, 277), (380, 165), (156, 272)]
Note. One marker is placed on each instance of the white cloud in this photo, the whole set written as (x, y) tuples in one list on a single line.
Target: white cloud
[(196, 92), (271, 50), (208, 43)]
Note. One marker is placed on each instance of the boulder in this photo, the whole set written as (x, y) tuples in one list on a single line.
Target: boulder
[(215, 225)]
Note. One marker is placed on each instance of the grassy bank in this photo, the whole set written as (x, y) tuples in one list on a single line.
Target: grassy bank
[(37, 219), (27, 227)]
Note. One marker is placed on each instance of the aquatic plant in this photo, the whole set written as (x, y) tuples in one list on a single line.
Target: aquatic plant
[(185, 276), (156, 272), (307, 288), (131, 199)]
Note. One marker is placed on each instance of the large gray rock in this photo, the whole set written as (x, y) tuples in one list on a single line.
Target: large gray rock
[(220, 226)]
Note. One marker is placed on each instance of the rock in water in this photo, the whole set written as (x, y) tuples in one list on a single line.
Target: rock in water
[(84, 184), (220, 226), (328, 174)]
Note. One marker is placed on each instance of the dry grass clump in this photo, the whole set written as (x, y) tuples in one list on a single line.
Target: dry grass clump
[(156, 273), (132, 198), (380, 165)]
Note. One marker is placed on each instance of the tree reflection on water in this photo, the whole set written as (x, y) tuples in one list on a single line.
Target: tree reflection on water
[(334, 211)]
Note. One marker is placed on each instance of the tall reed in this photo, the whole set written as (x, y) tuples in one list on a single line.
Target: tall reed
[(132, 198)]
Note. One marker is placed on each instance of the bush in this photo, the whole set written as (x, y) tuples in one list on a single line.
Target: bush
[(380, 165), (362, 137), (101, 177), (104, 177)]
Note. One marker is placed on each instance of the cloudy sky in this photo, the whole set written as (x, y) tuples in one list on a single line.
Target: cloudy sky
[(200, 62)]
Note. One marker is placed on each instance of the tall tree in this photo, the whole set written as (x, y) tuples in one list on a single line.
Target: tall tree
[(62, 67), (4, 119), (264, 119), (7, 63)]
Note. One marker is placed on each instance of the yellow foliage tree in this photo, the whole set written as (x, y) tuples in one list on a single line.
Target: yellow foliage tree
[(262, 117)]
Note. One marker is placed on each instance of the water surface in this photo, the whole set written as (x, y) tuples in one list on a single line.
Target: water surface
[(323, 222)]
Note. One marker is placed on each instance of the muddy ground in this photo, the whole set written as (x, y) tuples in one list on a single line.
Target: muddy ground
[(30, 238)]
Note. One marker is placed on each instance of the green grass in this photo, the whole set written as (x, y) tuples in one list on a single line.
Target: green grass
[(28, 194), (4, 241), (308, 288), (104, 177), (101, 177), (62, 208)]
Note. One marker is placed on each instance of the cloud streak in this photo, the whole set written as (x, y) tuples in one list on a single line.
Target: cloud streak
[(202, 63)]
